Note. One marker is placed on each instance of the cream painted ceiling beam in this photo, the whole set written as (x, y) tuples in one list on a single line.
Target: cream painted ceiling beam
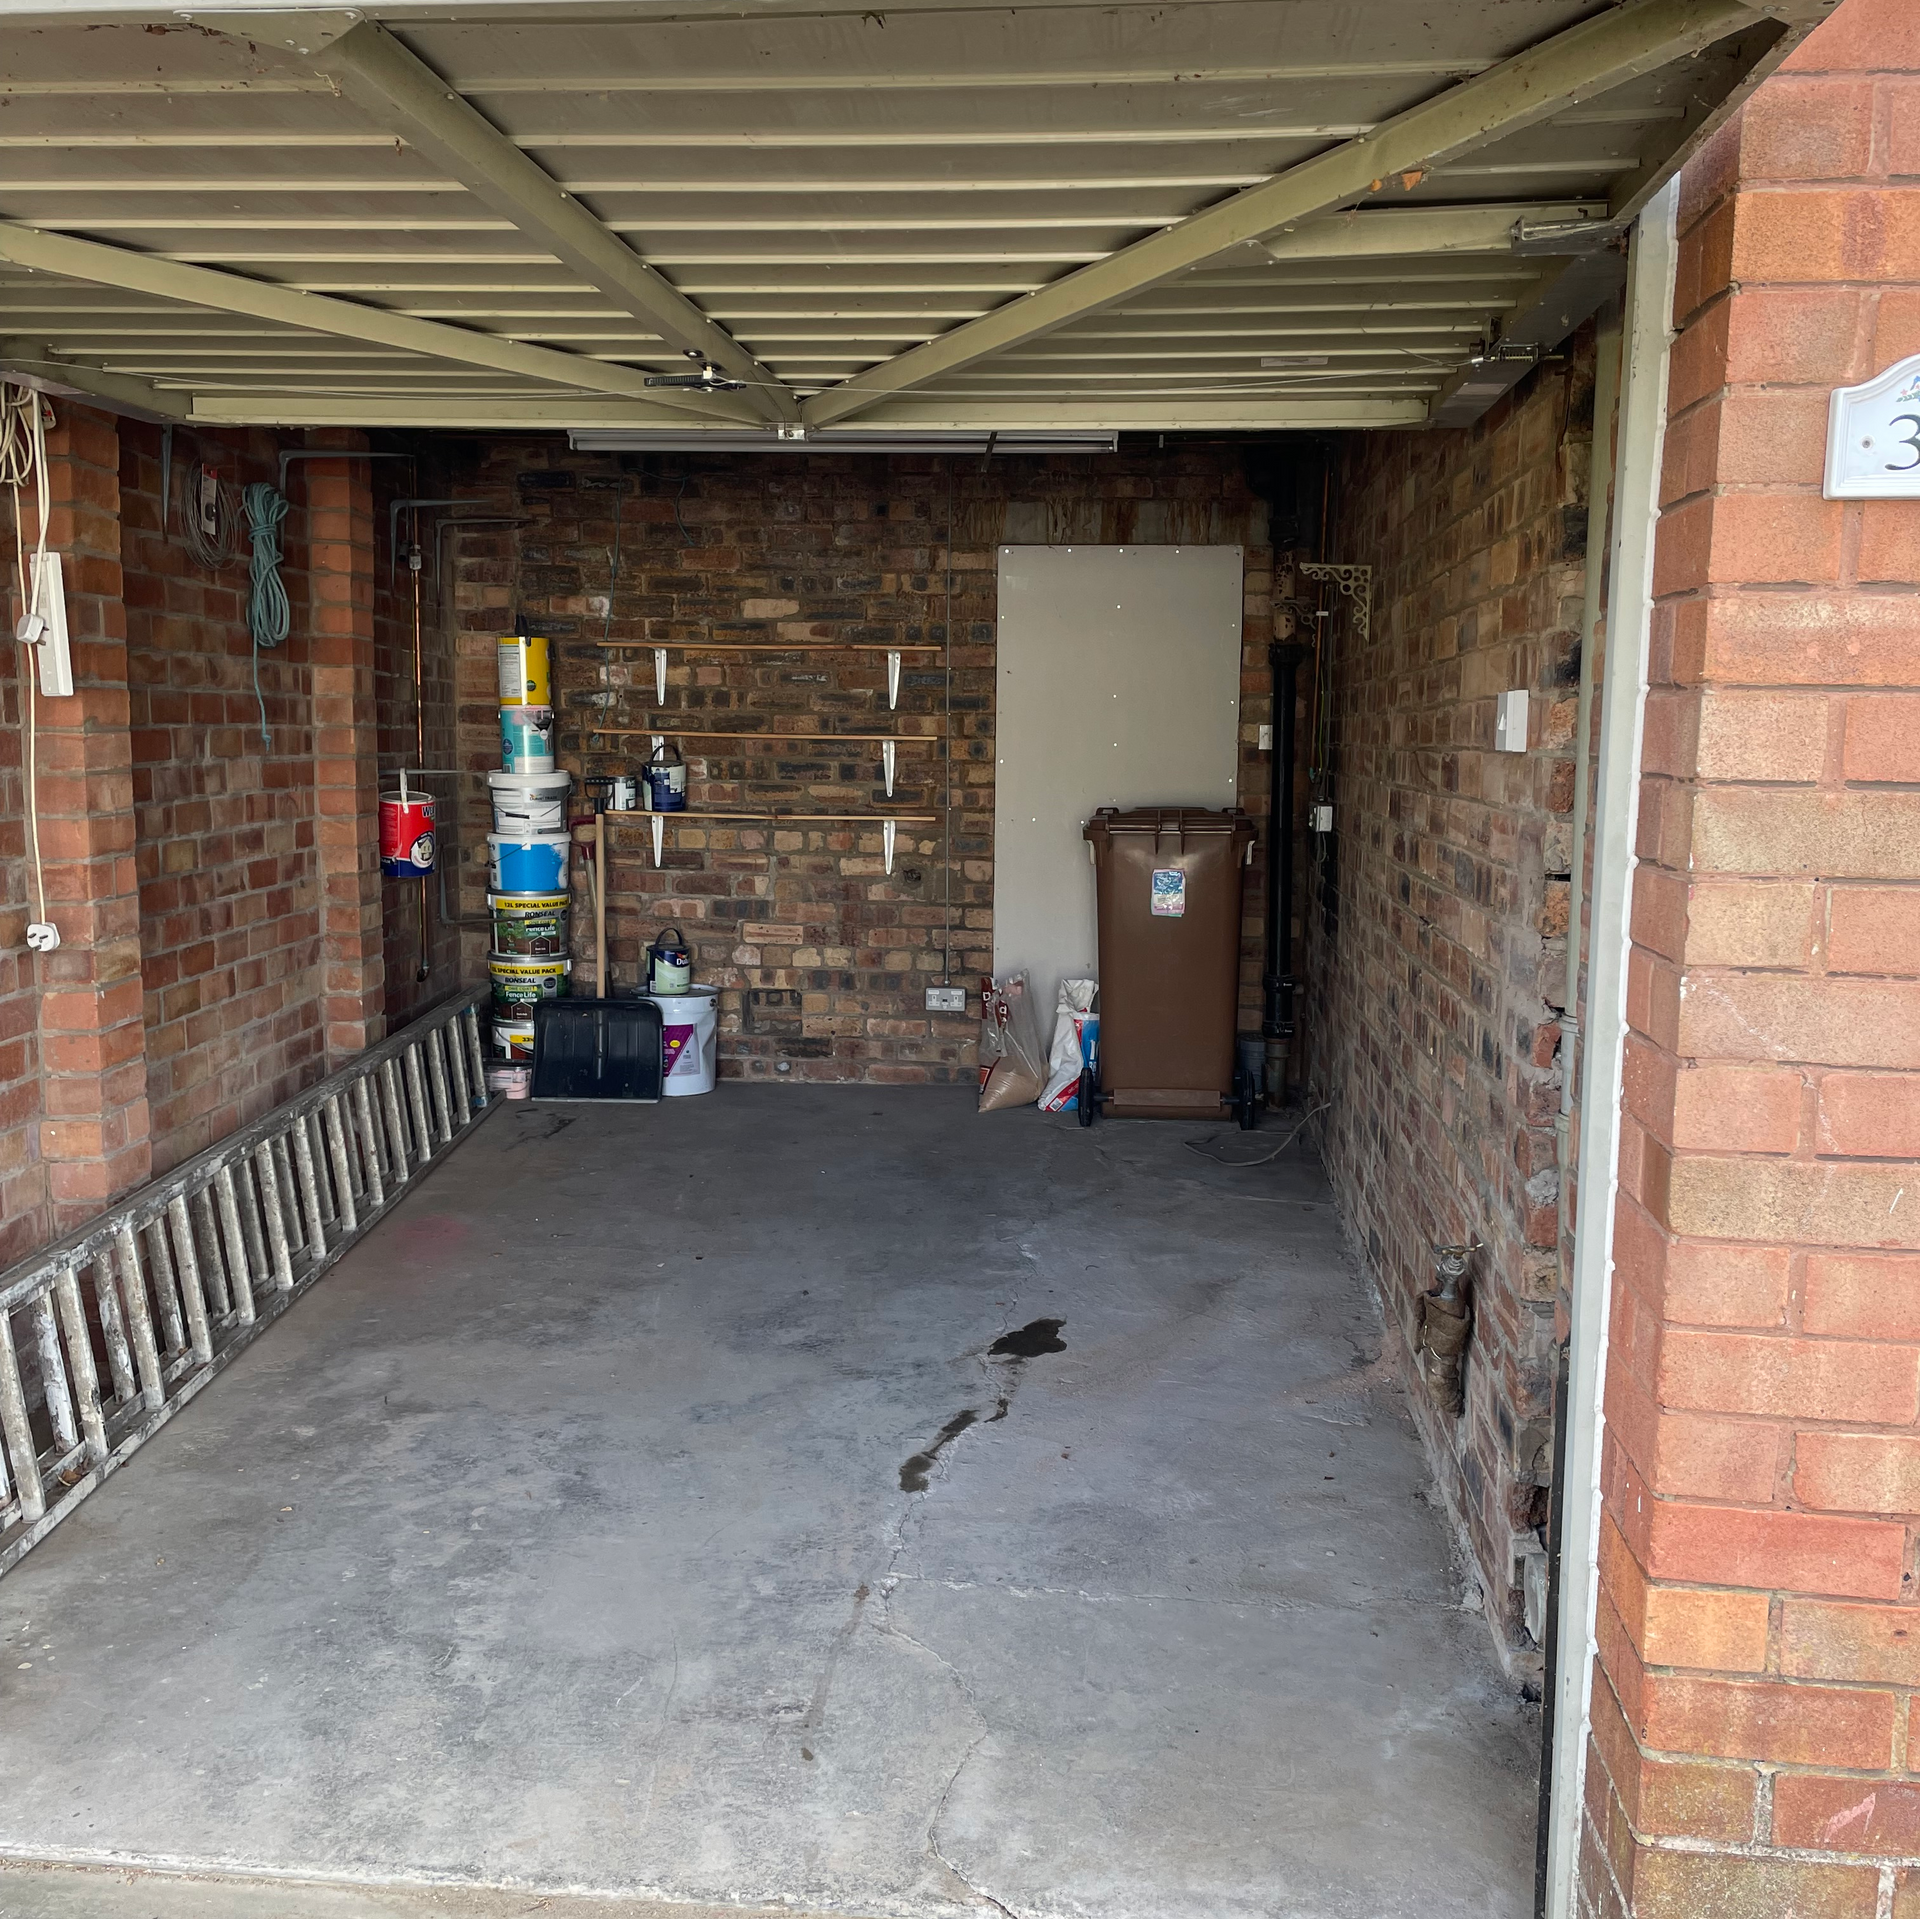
[(1577, 288), (1600, 53), (1010, 416), (1744, 63), (400, 92), (341, 319), (1399, 233), (37, 363)]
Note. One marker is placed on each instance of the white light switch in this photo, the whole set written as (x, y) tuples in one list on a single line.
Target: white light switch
[(1510, 723)]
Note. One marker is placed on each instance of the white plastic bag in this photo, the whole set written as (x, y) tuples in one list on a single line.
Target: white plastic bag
[(1076, 1028)]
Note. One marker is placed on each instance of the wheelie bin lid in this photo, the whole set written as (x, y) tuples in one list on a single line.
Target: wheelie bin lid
[(1159, 820)]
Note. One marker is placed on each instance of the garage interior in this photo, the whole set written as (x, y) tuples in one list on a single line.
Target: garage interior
[(743, 356)]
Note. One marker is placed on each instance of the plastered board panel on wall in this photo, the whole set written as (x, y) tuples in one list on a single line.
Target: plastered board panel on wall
[(1118, 685)]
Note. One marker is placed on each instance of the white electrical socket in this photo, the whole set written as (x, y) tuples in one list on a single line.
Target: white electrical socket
[(1510, 722), (48, 617), (946, 999)]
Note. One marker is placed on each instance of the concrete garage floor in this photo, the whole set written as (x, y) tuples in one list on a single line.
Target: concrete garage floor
[(610, 1523)]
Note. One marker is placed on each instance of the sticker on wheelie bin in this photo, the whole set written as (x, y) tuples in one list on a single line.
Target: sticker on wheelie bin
[(1169, 893)]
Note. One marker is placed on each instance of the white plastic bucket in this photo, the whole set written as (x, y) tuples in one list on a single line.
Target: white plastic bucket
[(689, 1039), (529, 863), (528, 803)]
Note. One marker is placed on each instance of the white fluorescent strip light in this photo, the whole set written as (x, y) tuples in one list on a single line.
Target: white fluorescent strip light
[(643, 439)]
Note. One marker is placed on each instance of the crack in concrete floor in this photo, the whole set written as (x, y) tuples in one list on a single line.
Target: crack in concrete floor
[(629, 1445)]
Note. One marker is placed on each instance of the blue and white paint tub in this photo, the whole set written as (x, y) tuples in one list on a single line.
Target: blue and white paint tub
[(526, 739), (689, 1039), (536, 863)]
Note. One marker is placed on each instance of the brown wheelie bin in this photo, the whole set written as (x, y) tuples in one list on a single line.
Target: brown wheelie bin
[(1168, 890)]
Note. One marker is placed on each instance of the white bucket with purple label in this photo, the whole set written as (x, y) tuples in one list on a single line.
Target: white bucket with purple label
[(689, 1039)]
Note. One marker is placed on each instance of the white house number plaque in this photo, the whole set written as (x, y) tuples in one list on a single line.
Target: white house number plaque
[(1873, 437)]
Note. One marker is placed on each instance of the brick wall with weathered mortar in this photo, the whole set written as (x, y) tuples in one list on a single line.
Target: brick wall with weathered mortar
[(1756, 1711), (24, 1216), (191, 871), (229, 882), (396, 705), (822, 957), (75, 1127), (1436, 943)]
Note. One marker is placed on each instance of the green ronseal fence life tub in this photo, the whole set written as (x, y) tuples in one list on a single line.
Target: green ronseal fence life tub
[(529, 925)]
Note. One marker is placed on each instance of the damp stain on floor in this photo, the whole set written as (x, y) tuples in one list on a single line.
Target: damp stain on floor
[(914, 1471), (622, 1589), (1037, 1336)]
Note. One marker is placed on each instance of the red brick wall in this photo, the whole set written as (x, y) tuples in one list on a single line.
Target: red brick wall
[(1437, 931), (95, 1134), (822, 957), (229, 900), (1753, 1749), (23, 1176), (73, 1124), (212, 938), (396, 705)]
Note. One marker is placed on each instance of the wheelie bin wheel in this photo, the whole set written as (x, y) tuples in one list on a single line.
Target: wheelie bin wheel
[(1088, 1097)]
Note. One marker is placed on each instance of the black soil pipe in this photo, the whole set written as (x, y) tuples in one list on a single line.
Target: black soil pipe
[(1276, 1025)]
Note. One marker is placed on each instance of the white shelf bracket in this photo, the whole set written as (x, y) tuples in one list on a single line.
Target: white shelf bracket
[(886, 762), (659, 676), (1356, 582), (893, 681), (659, 837), (888, 832)]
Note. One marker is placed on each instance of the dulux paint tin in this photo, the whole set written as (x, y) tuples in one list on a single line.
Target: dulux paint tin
[(666, 778)]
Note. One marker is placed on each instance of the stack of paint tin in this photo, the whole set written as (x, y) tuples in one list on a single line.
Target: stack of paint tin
[(529, 844)]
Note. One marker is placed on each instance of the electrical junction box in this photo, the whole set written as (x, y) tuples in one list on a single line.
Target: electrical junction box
[(1510, 723), (1266, 740), (1323, 819), (946, 999)]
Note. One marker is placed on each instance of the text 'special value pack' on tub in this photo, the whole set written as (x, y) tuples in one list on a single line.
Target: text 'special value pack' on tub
[(528, 849)]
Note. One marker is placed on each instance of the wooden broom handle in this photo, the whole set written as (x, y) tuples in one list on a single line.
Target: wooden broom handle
[(600, 985)]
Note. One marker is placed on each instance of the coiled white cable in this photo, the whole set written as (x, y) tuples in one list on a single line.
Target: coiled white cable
[(211, 550), (23, 458), (269, 618)]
